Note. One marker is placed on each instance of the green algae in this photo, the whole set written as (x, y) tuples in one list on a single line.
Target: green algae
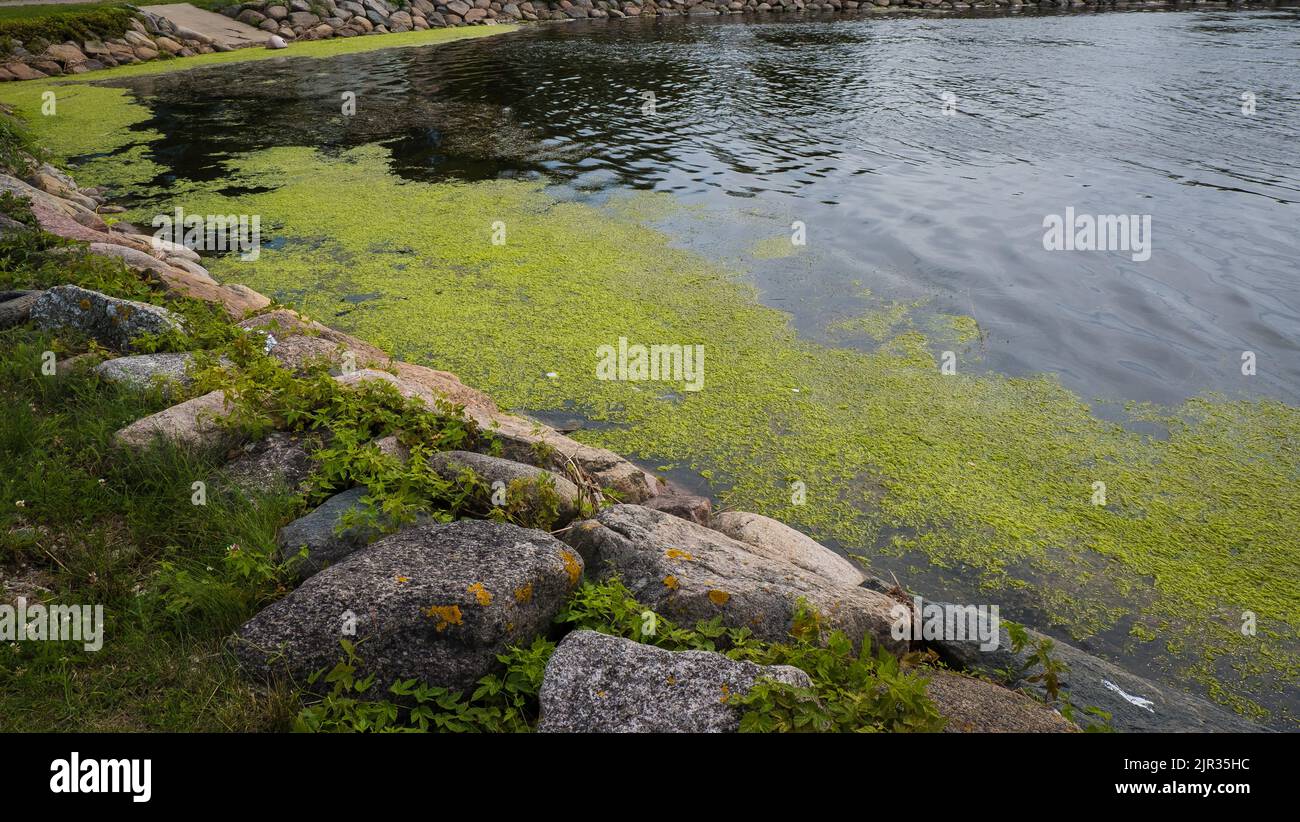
[(973, 471)]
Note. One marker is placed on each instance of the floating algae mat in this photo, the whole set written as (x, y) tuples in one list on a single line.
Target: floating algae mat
[(1186, 536)]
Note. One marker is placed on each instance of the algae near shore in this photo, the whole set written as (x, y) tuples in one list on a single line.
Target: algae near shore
[(1195, 528)]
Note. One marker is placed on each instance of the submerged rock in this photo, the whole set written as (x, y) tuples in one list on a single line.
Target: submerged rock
[(1136, 705), (596, 683), (689, 573), (432, 602)]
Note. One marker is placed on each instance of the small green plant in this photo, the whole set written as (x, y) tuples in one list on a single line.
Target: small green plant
[(1049, 673), (502, 703)]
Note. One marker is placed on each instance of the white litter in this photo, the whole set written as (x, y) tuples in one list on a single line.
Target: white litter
[(1139, 701)]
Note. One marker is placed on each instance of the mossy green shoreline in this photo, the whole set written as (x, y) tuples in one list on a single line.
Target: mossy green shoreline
[(972, 470)]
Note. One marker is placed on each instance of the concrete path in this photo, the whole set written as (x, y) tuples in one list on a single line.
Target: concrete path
[(220, 28)]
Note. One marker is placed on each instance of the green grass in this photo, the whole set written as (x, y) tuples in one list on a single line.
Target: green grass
[(36, 26), (38, 12)]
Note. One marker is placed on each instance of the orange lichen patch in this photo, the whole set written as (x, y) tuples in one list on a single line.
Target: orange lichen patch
[(483, 595), (670, 582), (719, 598), (400, 580), (674, 553), (445, 614), (524, 594), (601, 694), (85, 304), (672, 680), (726, 694), (572, 566)]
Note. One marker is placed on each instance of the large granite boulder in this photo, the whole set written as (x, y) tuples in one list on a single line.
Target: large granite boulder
[(771, 538), (433, 602), (688, 573), (595, 683), (115, 322)]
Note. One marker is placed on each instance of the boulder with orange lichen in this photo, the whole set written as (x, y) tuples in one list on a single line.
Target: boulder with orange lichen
[(433, 602)]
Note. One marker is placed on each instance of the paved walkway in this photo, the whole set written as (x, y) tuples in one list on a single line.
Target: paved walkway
[(220, 28)]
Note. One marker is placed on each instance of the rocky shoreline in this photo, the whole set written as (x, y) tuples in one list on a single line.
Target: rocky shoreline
[(151, 36), (440, 601)]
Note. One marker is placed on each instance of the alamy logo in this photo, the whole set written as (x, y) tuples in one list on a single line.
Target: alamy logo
[(213, 232), (1103, 232), (656, 363), (53, 622), (948, 622), (77, 775)]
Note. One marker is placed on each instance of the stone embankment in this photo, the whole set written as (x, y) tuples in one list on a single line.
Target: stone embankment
[(169, 30), (438, 601)]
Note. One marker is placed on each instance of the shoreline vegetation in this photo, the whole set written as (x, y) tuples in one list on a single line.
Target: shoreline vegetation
[(179, 589)]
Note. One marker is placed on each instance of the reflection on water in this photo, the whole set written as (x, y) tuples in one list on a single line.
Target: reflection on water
[(839, 123)]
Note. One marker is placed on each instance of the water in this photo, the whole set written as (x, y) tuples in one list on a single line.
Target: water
[(839, 123)]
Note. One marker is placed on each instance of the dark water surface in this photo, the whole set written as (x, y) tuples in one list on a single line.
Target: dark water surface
[(838, 123)]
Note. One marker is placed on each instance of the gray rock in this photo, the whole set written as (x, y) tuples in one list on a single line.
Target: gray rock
[(771, 538), (596, 683), (279, 462), (16, 307), (319, 532), (432, 602), (689, 573), (303, 18), (143, 371), (114, 322), (275, 41), (520, 480)]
